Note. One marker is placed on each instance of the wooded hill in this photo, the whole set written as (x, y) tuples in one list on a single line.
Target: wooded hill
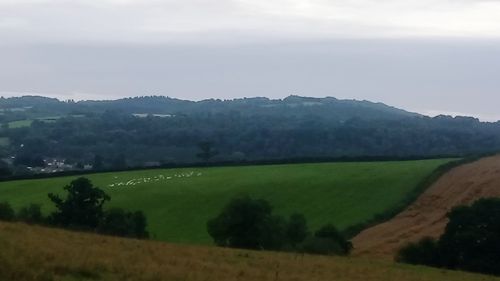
[(153, 130)]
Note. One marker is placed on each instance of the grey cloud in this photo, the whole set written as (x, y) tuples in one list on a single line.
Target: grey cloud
[(232, 48), (421, 75), (153, 21)]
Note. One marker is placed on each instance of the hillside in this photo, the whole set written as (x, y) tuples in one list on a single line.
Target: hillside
[(30, 253), (179, 202), (427, 215), (292, 105), (156, 131)]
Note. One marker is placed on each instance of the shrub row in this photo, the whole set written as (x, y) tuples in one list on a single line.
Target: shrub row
[(82, 209)]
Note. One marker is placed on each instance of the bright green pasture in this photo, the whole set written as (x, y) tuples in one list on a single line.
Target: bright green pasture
[(20, 124), (178, 207), (28, 122)]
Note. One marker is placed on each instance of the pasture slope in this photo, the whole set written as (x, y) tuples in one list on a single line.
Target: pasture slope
[(179, 202), (33, 253), (20, 124), (427, 215)]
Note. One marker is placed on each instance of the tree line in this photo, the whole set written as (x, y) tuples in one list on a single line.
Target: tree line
[(107, 135), (82, 209), (250, 224), (243, 223)]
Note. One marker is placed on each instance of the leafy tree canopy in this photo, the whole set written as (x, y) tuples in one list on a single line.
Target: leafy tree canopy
[(82, 207), (471, 241), (242, 224)]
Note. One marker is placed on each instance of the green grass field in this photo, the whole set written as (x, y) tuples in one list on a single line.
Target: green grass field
[(20, 124), (28, 122), (178, 202)]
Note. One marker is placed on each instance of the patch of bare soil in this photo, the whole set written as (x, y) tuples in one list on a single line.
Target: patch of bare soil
[(427, 215)]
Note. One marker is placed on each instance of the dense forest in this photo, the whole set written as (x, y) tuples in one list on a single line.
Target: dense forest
[(150, 131)]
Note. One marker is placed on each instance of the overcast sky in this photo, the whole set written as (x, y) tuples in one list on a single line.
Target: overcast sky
[(439, 56)]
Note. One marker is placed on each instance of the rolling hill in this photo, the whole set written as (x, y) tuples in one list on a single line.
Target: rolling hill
[(179, 202), (156, 131), (292, 105)]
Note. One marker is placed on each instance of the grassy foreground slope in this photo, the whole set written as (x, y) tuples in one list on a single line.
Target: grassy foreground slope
[(178, 202), (37, 253)]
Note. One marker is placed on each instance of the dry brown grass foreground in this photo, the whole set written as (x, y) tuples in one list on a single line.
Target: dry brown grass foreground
[(38, 253), (427, 215)]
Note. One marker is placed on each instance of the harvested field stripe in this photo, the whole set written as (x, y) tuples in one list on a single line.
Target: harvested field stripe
[(427, 215)]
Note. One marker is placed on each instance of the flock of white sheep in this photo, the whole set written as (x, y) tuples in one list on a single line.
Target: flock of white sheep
[(157, 178)]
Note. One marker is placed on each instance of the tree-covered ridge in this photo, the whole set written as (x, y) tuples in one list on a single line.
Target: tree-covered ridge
[(153, 130), (292, 105)]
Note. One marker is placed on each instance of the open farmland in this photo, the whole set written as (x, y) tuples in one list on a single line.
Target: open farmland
[(178, 202), (20, 124), (37, 253), (28, 122)]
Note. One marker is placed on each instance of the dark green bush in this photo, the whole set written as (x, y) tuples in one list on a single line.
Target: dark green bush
[(248, 223), (245, 223), (6, 212), (322, 246), (121, 223), (31, 214), (424, 251), (327, 241), (296, 230), (471, 241)]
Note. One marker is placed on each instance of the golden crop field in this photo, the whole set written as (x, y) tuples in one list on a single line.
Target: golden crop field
[(39, 253)]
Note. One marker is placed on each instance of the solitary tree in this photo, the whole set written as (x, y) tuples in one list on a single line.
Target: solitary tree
[(207, 151), (83, 206)]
